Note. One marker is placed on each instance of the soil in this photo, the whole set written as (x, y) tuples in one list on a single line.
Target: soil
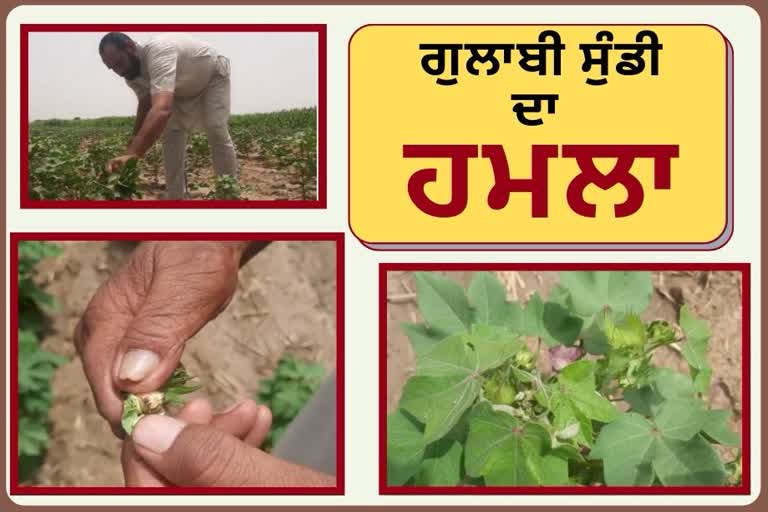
[(285, 304), (259, 180), (713, 296)]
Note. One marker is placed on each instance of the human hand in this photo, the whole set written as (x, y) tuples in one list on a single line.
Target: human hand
[(119, 162), (244, 420), (199, 449), (133, 331)]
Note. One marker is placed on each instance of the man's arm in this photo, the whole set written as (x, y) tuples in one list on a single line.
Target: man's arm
[(153, 124), (141, 113)]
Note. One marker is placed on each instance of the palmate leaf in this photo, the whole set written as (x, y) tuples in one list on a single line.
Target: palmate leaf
[(506, 451), (489, 299), (442, 303), (405, 447), (574, 400), (577, 385), (621, 291), (448, 379), (716, 427), (594, 339), (687, 463), (551, 322), (441, 464), (695, 349), (423, 339), (668, 442)]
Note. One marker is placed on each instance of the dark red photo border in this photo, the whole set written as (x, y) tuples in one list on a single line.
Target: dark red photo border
[(724, 237), (16, 489), (322, 140), (743, 489)]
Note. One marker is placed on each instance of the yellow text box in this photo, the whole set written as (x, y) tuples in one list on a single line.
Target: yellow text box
[(403, 109)]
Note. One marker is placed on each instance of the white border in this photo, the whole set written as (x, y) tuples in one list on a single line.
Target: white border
[(740, 24)]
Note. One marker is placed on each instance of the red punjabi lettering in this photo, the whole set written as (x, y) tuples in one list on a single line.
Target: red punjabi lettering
[(620, 174), (459, 155), (536, 185)]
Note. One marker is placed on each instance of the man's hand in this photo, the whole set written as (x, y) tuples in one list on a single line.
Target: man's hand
[(119, 162), (199, 449), (245, 420), (133, 331)]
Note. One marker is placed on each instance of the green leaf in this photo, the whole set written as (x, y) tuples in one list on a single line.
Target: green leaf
[(441, 464), (551, 322), (506, 451), (669, 442), (679, 419), (594, 339), (702, 379), (448, 379), (672, 385), (565, 415), (618, 472), (489, 298), (695, 353), (448, 357), (628, 439), (405, 448), (687, 463), (439, 402), (492, 345), (716, 426), (560, 295), (693, 327), (644, 400), (442, 303), (621, 291), (533, 315), (560, 325), (422, 338), (516, 318), (576, 383), (695, 349)]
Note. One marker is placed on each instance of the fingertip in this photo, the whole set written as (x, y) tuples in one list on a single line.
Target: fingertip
[(245, 407), (264, 415), (197, 410), (261, 426)]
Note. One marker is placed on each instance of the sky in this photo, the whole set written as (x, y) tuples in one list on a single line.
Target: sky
[(270, 71)]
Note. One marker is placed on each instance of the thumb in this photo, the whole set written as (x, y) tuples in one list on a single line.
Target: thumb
[(141, 369), (202, 456)]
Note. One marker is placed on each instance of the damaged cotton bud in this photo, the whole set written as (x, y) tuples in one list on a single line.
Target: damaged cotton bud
[(152, 403), (137, 405), (561, 356)]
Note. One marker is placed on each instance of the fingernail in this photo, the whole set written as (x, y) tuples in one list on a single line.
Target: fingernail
[(137, 364), (157, 432), (263, 412)]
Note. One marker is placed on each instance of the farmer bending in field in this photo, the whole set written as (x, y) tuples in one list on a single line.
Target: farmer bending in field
[(181, 84)]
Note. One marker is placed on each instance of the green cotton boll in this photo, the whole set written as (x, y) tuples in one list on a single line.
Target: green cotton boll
[(505, 394), (624, 331), (660, 332), (524, 359)]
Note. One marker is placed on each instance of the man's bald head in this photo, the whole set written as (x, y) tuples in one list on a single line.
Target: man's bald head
[(120, 54)]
